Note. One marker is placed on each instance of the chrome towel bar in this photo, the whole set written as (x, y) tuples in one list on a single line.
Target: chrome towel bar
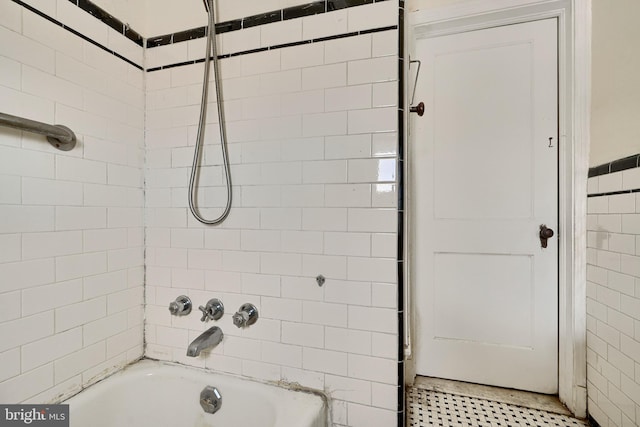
[(59, 136)]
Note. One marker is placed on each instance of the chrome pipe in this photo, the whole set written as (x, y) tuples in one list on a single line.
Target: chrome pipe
[(59, 136)]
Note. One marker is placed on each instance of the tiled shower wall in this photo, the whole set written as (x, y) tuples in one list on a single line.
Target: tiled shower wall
[(312, 141), (613, 294), (71, 235)]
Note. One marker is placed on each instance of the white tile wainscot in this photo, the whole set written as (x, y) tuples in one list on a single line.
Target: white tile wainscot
[(613, 299)]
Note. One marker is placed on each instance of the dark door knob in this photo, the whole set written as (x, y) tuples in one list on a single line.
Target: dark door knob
[(545, 234), (419, 109)]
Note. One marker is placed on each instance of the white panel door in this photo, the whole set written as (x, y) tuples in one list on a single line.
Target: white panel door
[(484, 179)]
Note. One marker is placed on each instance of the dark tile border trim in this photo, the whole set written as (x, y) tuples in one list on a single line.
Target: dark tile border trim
[(71, 30), (314, 8), (262, 19), (613, 193), (615, 166), (113, 22), (280, 46), (401, 217), (305, 10), (619, 165)]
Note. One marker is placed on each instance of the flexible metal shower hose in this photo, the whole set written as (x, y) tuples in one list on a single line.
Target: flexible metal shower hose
[(195, 169)]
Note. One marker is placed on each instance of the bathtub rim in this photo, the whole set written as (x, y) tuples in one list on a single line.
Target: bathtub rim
[(287, 386)]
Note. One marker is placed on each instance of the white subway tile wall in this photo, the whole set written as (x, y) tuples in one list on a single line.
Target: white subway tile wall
[(613, 299), (312, 140), (71, 239)]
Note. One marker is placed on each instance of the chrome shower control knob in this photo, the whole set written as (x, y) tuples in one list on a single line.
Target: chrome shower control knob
[(205, 314), (212, 311), (240, 319), (181, 306), (247, 315)]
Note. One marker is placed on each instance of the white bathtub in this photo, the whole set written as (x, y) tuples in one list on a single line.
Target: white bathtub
[(156, 394)]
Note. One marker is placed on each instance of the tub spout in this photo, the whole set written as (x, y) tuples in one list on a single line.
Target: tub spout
[(208, 339)]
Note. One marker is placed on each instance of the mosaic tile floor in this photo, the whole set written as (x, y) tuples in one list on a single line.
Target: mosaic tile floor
[(432, 408)]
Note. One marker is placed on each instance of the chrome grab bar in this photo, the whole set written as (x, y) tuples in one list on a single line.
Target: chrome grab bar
[(59, 136)]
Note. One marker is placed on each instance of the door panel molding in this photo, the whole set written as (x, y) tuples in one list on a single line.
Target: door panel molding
[(485, 180), (574, 51)]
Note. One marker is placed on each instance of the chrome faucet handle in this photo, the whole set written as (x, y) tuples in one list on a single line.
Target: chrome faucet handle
[(205, 314), (240, 319), (181, 306), (212, 311), (247, 315)]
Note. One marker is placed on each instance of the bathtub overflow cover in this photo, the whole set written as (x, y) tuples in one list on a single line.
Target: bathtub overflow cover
[(210, 400)]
